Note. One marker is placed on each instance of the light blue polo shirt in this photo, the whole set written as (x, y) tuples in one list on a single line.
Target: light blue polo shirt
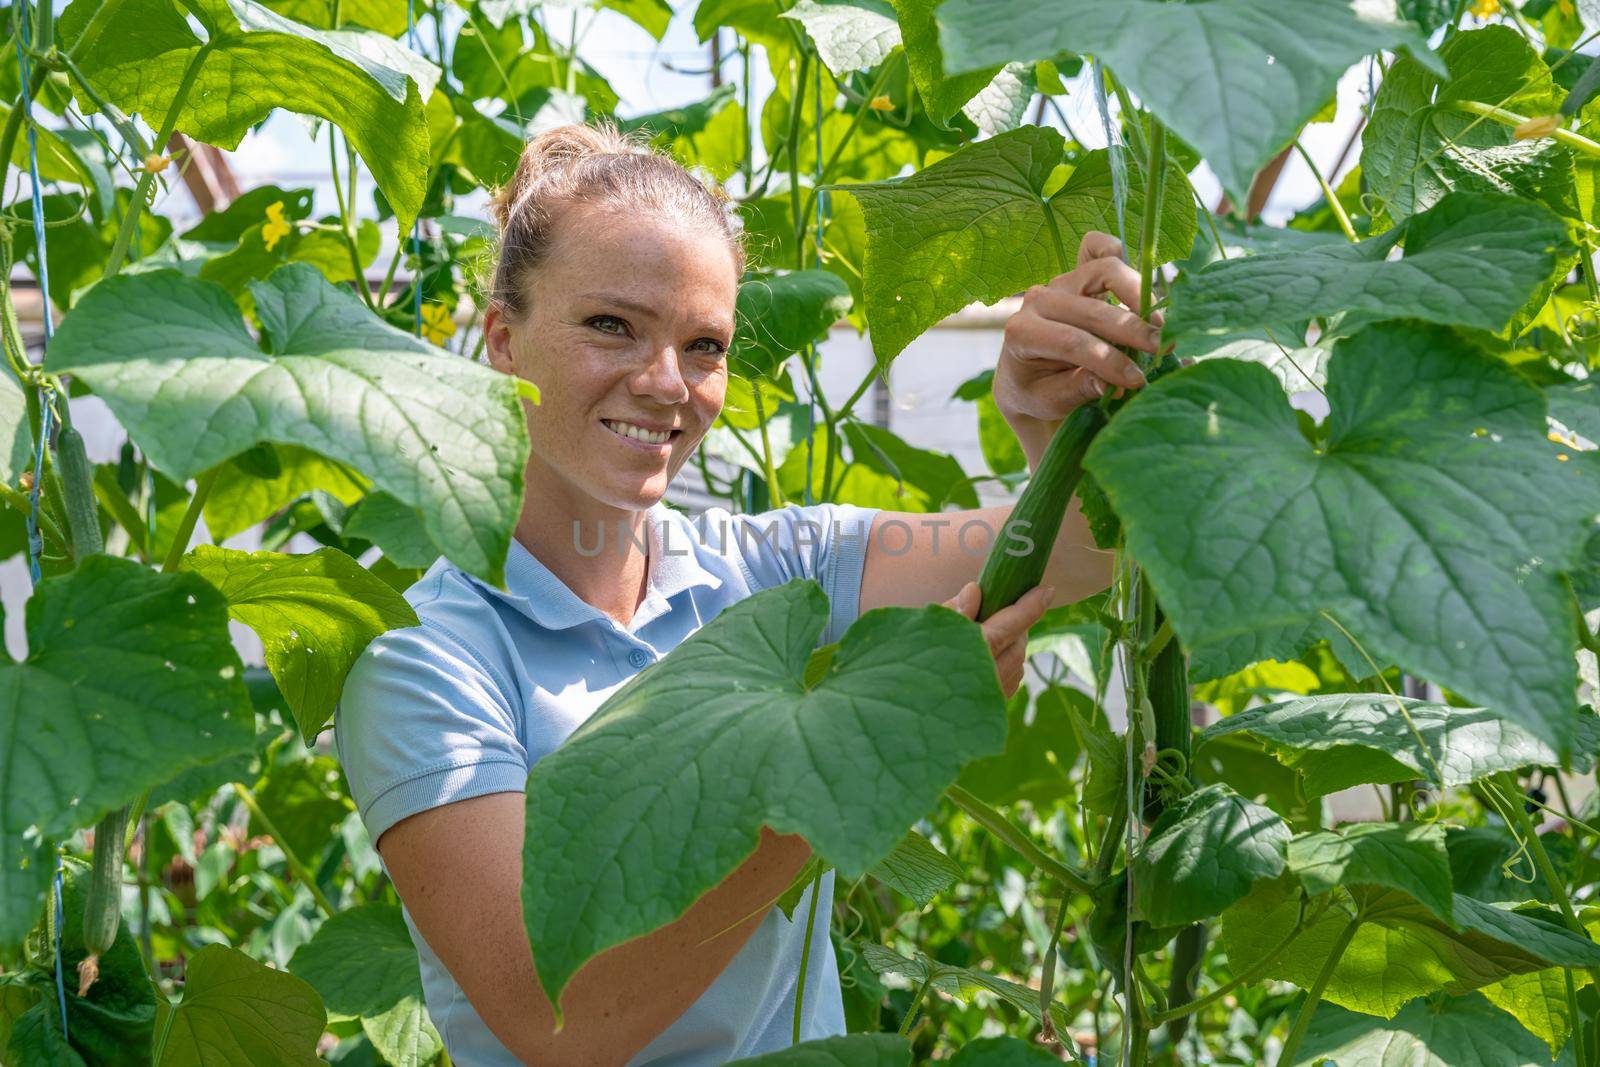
[(492, 680)]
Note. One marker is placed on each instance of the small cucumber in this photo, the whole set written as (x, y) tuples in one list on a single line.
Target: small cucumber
[(102, 905), (1012, 567), (1169, 700), (77, 489)]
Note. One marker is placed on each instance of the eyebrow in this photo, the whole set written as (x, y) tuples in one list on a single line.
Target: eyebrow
[(618, 300)]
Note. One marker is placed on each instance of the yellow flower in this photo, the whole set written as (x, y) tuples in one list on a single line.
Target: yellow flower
[(277, 227), (155, 163), (1565, 7), (1536, 127), (1484, 8), (437, 325), (881, 103)]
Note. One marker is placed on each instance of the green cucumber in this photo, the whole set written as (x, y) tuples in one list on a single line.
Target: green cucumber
[(1168, 689), (1017, 559), (102, 905), (77, 488)]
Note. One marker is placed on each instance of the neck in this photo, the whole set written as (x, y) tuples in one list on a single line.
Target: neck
[(596, 549)]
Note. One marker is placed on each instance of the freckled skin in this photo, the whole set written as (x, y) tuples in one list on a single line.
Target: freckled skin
[(663, 363)]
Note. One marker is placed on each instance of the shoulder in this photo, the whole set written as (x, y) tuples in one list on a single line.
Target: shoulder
[(426, 714)]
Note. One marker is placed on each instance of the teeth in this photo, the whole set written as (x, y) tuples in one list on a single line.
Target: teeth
[(638, 433)]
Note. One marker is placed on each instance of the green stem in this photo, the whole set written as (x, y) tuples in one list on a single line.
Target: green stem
[(1246, 977), (346, 232), (141, 191), (792, 142), (769, 472), (1150, 230), (19, 500), (805, 951), (1575, 141), (1558, 887), (1001, 827), (295, 866), (1158, 640), (916, 1002), (191, 515), (1337, 208), (860, 391), (1302, 1021), (855, 123)]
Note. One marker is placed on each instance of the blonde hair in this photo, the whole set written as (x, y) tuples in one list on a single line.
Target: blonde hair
[(582, 164)]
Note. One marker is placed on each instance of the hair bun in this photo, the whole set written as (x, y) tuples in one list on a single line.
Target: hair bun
[(558, 147)]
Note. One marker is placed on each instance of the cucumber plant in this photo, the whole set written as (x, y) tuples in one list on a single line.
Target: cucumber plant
[(1352, 515)]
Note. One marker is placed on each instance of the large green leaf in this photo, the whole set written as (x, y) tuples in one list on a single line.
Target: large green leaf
[(779, 314), (404, 1035), (1454, 1032), (16, 445), (1040, 751), (1337, 740), (942, 96), (361, 961), (1539, 1002), (884, 471), (252, 61), (849, 762), (1417, 148), (235, 1010), (849, 35), (845, 1050), (1235, 78), (1401, 948), (241, 497), (1004, 1051), (130, 677), (1409, 857), (172, 360), (1434, 521), (1474, 259), (314, 614), (1205, 852), (976, 226)]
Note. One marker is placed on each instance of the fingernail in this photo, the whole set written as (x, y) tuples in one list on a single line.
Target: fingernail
[(1133, 376), (1099, 386), (1049, 594)]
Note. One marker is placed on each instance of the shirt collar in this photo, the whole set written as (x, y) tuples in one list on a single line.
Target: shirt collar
[(533, 589)]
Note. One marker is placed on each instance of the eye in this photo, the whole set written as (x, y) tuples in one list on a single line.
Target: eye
[(601, 323), (717, 347)]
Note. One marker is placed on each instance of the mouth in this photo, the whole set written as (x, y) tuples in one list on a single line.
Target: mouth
[(654, 439)]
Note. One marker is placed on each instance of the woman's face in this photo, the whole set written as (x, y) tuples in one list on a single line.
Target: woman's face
[(626, 330)]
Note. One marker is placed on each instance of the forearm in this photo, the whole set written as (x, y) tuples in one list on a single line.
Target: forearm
[(458, 868)]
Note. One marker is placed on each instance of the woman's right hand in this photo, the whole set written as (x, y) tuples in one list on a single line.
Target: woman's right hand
[(1007, 629)]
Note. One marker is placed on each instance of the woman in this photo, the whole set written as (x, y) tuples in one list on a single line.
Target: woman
[(614, 291)]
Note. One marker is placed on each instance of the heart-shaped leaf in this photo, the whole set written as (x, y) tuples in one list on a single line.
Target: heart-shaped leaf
[(1409, 857), (1235, 78), (253, 60), (171, 358), (779, 314), (1204, 853), (849, 35), (235, 1010), (1337, 740), (737, 740), (130, 677), (1459, 1032), (976, 226), (1474, 259), (1434, 522)]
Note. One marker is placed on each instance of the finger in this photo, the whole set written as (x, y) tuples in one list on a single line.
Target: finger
[(1097, 244), (1009, 665), (1037, 338), (1010, 623), (1115, 324), (966, 601)]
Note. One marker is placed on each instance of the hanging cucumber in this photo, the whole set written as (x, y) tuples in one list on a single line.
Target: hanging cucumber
[(1168, 689), (77, 490), (102, 905), (1012, 568)]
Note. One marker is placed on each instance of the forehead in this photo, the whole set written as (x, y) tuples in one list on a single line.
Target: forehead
[(649, 256)]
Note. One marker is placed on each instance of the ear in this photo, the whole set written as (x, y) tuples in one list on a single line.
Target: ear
[(497, 337)]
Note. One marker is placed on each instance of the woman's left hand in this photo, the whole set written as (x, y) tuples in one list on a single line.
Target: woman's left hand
[(1058, 350)]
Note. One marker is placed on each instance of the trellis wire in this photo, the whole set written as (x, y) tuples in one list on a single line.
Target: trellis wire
[(46, 402), (416, 223)]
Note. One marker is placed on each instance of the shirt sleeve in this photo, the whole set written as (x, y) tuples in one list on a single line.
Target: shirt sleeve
[(422, 722), (826, 542)]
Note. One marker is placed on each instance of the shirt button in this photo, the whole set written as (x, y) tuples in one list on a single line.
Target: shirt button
[(638, 657)]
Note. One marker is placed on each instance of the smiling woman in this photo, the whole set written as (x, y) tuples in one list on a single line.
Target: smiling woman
[(615, 291)]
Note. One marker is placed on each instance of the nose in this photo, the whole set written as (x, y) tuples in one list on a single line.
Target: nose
[(661, 378)]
